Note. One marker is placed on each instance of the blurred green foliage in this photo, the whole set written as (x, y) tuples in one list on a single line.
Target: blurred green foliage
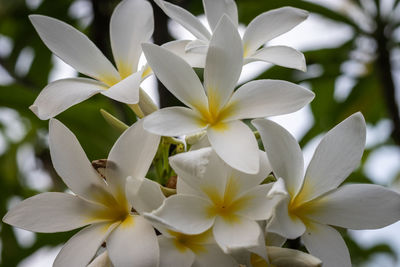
[(372, 94)]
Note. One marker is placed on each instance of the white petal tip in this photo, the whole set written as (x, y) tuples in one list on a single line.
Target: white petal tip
[(35, 109)]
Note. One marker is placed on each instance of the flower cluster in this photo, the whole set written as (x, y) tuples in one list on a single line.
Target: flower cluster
[(233, 204)]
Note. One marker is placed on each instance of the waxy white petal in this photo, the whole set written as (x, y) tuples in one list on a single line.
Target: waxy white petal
[(224, 63), (184, 213), (133, 243), (51, 212), (279, 55), (131, 24), (241, 233), (62, 94), (71, 163), (80, 249), (357, 206), (173, 121), (236, 145), (271, 24), (214, 9), (131, 155), (74, 48), (264, 98), (327, 244), (198, 46), (338, 154), (284, 224), (283, 152), (143, 194), (213, 256), (177, 75), (127, 90), (171, 255), (185, 18), (178, 47), (257, 206), (101, 261)]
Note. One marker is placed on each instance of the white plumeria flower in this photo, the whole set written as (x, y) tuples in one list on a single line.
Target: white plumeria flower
[(131, 24), (314, 201), (178, 249), (215, 107), (110, 208), (212, 195), (260, 30)]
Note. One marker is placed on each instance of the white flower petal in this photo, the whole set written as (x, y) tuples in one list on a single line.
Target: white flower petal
[(357, 206), (326, 243), (101, 261), (264, 98), (257, 206), (71, 163), (283, 152), (171, 255), (131, 155), (215, 9), (213, 256), (143, 194), (133, 243), (236, 145), (127, 90), (338, 154), (224, 64), (182, 187), (185, 18), (271, 24), (177, 75), (173, 121), (197, 46), (184, 213), (62, 94), (178, 47), (279, 55), (81, 248), (246, 181), (51, 212), (74, 48), (241, 233), (285, 225), (131, 24)]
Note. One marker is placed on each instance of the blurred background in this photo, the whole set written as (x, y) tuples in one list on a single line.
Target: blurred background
[(353, 59)]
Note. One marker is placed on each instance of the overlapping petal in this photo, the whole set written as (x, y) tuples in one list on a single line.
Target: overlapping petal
[(177, 75), (264, 98), (71, 163), (171, 255), (131, 24), (214, 256), (127, 90), (178, 47), (133, 243), (279, 55), (223, 65), (174, 121), (80, 249), (215, 9), (131, 155), (74, 48), (326, 243), (279, 143), (236, 145), (185, 213), (338, 154), (271, 24), (62, 94)]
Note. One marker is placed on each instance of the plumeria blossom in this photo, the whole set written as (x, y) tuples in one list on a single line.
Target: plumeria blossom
[(110, 208), (260, 30), (215, 107), (315, 201), (131, 24), (212, 195)]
